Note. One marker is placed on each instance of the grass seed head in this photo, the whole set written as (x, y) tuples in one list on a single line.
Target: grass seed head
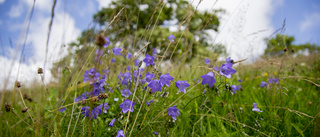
[(103, 96), (100, 40), (17, 84), (24, 109), (7, 106), (40, 70)]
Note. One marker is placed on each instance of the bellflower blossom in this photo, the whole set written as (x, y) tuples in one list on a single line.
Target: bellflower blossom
[(226, 70), (62, 110), (107, 42), (255, 108), (155, 85), (234, 88), (81, 97), (171, 38), (273, 80), (129, 55), (149, 77), (208, 78), (181, 85), (120, 133), (125, 106), (229, 60), (154, 52), (91, 75), (126, 93), (112, 122), (148, 103), (216, 68), (173, 112), (263, 84), (137, 63), (113, 60), (165, 80), (116, 51), (149, 60), (207, 61)]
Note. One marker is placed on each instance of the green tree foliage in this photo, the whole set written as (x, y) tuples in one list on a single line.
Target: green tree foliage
[(284, 43), (148, 21)]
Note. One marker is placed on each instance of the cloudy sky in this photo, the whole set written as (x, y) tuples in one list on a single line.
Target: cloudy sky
[(243, 28)]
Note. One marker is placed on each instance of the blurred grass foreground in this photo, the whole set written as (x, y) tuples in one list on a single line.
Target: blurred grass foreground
[(129, 75)]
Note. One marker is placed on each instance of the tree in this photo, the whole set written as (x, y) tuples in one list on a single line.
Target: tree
[(284, 43)]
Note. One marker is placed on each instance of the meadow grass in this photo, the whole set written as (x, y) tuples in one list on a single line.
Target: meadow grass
[(289, 108)]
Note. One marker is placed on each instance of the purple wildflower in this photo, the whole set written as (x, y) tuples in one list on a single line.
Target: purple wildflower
[(181, 85), (85, 111), (155, 85), (229, 60), (226, 70), (255, 108), (120, 133), (149, 77), (263, 84), (129, 68), (113, 60), (240, 80), (149, 60), (148, 103), (171, 38), (273, 80), (126, 106), (165, 80), (91, 75), (216, 68), (156, 133), (62, 110), (137, 62), (81, 97), (126, 93), (207, 61), (112, 122), (208, 78), (107, 42), (129, 55), (116, 51), (234, 88), (173, 112), (154, 52)]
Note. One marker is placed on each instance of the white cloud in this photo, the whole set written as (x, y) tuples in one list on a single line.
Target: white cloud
[(103, 3), (2, 1), (16, 10), (311, 21), (63, 31), (244, 26)]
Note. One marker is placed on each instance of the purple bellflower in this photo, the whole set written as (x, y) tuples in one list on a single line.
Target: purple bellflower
[(208, 78), (235, 88), (156, 133), (207, 61), (62, 110), (226, 70), (155, 85), (107, 42), (148, 103), (137, 62), (113, 60), (181, 85), (165, 80), (149, 77), (255, 108), (273, 80), (125, 105), (116, 51), (120, 133), (81, 97), (112, 122), (129, 55), (126, 93), (149, 60), (91, 76), (154, 52), (171, 38), (216, 68), (263, 84), (173, 112)]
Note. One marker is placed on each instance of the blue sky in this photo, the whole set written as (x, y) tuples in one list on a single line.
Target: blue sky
[(242, 19)]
